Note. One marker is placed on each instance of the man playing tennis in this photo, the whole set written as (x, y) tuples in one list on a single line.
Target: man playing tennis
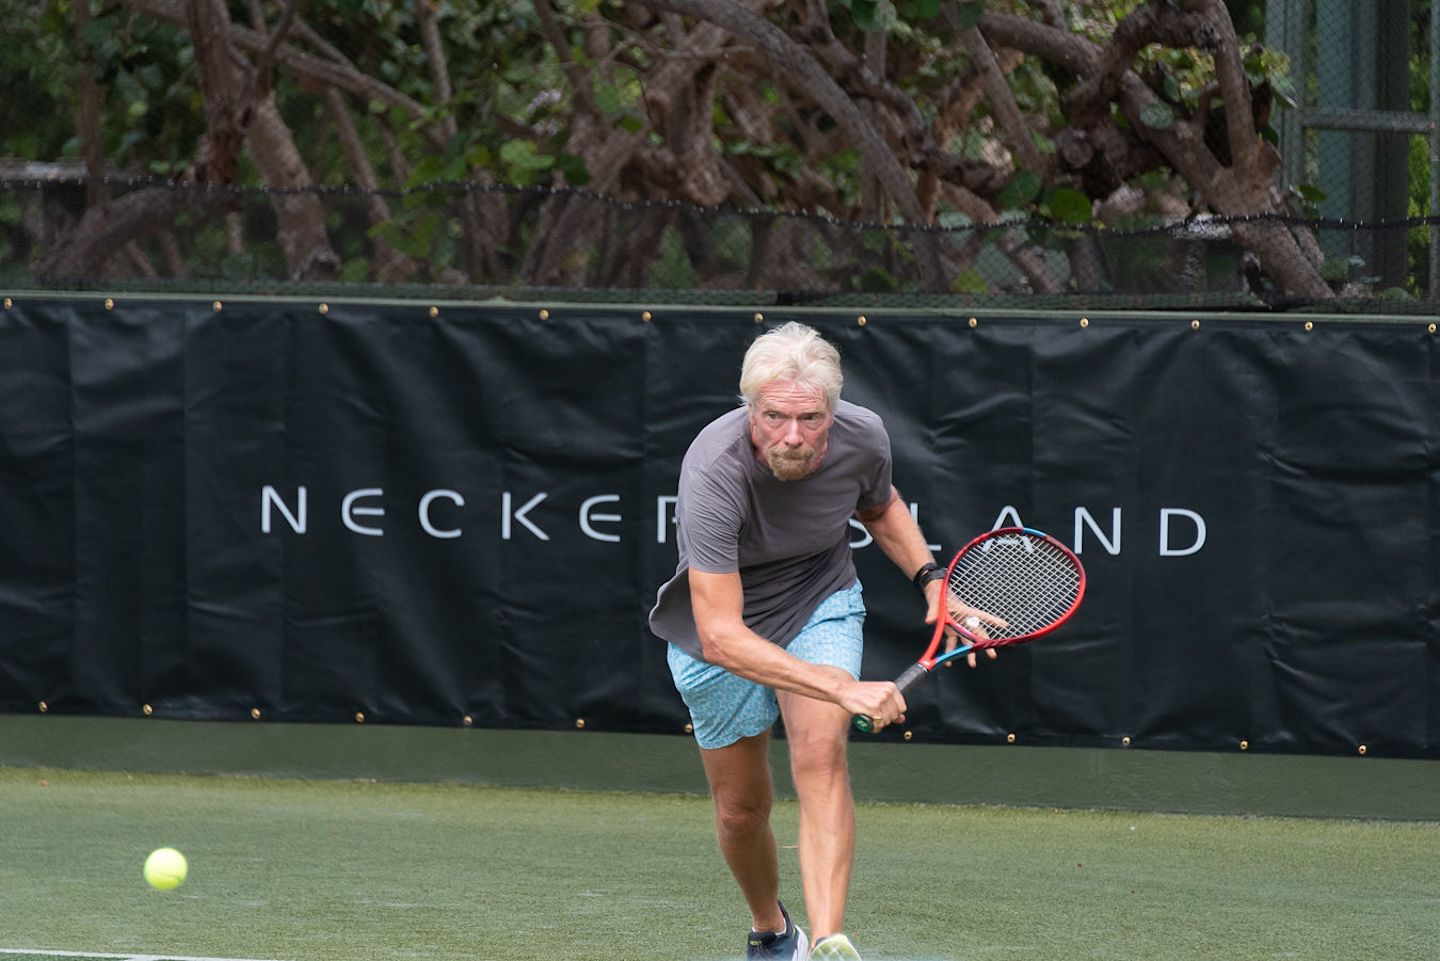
[(764, 618)]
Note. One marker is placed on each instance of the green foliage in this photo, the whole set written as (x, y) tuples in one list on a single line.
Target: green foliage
[(1069, 206), (523, 162), (876, 280), (969, 13), (969, 282), (673, 269), (1021, 190), (1157, 115), (510, 118), (866, 13), (37, 49)]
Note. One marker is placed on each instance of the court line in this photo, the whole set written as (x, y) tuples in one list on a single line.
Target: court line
[(119, 957)]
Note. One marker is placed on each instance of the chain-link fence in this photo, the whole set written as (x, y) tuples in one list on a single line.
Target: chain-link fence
[(582, 245), (1355, 120), (1362, 141)]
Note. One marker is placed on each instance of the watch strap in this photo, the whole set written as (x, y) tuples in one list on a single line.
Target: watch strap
[(929, 571)]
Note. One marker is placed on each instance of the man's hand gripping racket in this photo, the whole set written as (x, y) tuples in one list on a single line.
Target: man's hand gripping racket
[(1011, 585)]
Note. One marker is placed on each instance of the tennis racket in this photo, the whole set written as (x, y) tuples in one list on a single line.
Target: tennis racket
[(1011, 585)]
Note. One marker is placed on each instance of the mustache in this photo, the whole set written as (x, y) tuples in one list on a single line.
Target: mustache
[(789, 463)]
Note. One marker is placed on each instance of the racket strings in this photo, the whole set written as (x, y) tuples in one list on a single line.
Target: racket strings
[(1026, 581)]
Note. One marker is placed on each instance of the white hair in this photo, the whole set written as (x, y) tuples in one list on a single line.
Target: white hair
[(791, 353)]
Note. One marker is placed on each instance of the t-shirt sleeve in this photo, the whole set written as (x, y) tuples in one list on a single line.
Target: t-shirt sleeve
[(875, 483), (710, 516)]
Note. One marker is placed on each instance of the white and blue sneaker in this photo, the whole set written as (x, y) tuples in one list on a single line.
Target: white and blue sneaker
[(834, 947), (787, 945)]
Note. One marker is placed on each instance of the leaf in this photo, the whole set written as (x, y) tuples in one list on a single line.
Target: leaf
[(864, 13), (672, 269), (1070, 206), (424, 172), (1157, 116), (875, 281), (573, 167), (1311, 193), (98, 31), (354, 271), (1284, 91), (608, 97), (969, 282), (1022, 188), (1336, 270), (920, 9), (970, 13), (521, 154)]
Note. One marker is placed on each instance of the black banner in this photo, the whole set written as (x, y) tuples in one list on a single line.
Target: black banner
[(461, 515)]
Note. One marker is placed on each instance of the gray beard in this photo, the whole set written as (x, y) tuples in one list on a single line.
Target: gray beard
[(790, 467)]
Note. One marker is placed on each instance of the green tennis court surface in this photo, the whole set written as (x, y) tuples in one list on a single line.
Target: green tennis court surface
[(23, 954), (350, 871)]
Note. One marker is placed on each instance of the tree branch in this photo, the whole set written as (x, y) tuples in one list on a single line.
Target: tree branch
[(793, 61), (800, 68), (1152, 23), (579, 87), (87, 113), (1013, 129), (330, 72), (1234, 89), (391, 266), (1061, 47), (435, 58), (261, 79)]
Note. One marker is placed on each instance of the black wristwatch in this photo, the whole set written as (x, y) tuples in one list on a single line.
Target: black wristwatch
[(930, 571)]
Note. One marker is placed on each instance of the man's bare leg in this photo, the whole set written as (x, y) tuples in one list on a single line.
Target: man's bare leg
[(743, 792), (817, 733)]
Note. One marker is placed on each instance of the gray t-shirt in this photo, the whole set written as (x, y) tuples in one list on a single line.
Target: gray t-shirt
[(789, 540)]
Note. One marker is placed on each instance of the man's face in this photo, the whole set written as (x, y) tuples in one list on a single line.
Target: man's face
[(789, 427)]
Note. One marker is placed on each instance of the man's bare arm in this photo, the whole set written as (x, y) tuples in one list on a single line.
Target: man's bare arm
[(718, 603)]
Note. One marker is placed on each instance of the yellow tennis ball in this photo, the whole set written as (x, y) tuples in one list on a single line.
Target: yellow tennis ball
[(165, 869)]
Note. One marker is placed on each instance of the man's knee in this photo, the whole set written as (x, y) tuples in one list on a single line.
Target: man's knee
[(820, 756), (737, 815)]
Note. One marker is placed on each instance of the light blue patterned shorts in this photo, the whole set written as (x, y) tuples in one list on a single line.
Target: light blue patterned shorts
[(725, 708)]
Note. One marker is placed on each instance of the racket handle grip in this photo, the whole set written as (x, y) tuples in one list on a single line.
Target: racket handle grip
[(913, 673)]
